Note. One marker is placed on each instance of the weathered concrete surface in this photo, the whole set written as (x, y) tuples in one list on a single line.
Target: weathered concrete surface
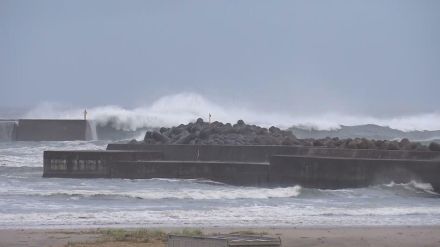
[(334, 173), (209, 152), (249, 165), (235, 173), (91, 164), (52, 130), (262, 153), (148, 164)]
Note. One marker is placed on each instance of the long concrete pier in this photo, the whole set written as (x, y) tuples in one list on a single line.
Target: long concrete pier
[(251, 165)]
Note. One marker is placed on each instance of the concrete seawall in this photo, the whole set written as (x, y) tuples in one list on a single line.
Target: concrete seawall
[(149, 164), (60, 130), (336, 173), (53, 130), (324, 168), (89, 164), (235, 173), (262, 153), (209, 152)]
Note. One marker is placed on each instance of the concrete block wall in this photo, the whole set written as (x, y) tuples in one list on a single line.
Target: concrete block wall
[(334, 173), (51, 130), (263, 153), (209, 152), (235, 173), (91, 164), (249, 165)]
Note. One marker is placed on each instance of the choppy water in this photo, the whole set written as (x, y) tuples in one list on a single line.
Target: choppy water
[(28, 200)]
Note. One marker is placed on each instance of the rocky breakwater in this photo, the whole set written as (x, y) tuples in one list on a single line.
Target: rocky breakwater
[(217, 133)]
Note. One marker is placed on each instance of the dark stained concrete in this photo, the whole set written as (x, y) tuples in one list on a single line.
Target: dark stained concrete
[(324, 168), (335, 173), (235, 173), (93, 164), (149, 164)]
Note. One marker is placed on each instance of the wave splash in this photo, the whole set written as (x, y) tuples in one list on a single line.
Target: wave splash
[(413, 186), (227, 193), (172, 110)]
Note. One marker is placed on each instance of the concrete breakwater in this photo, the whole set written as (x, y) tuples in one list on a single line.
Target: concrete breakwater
[(47, 130), (250, 165), (262, 153), (90, 164), (340, 172), (61, 130)]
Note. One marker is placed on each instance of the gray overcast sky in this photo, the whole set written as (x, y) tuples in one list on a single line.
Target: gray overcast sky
[(380, 58)]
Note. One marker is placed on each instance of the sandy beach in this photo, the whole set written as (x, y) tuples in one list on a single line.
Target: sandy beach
[(327, 236)]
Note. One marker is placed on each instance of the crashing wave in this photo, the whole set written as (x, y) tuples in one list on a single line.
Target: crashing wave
[(171, 110)]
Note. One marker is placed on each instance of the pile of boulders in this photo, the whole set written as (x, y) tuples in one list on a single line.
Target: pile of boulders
[(217, 133), (363, 143)]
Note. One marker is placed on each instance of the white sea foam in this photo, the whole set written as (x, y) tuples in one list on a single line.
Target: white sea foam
[(213, 193), (27, 200), (231, 216), (16, 154), (413, 185), (181, 108)]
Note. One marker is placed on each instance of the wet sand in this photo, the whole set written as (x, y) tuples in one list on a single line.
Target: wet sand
[(402, 236)]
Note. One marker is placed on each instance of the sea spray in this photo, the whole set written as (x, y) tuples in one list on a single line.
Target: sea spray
[(7, 130), (219, 192), (172, 110), (91, 133)]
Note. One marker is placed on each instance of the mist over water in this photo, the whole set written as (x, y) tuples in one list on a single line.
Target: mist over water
[(172, 110)]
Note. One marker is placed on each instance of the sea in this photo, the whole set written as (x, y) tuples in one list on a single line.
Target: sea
[(27, 200)]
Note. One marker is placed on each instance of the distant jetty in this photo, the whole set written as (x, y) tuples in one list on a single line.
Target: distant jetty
[(228, 153), (61, 130), (47, 130)]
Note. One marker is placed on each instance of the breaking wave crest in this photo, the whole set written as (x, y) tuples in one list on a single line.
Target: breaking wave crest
[(413, 186), (222, 193), (247, 216), (27, 200), (172, 110)]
